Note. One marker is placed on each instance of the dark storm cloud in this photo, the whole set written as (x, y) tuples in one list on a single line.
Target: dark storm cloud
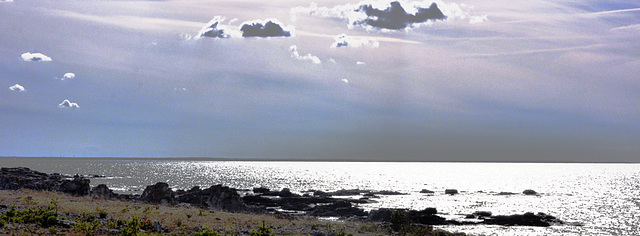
[(270, 28), (395, 17)]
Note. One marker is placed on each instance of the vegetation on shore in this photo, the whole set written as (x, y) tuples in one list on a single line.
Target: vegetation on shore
[(29, 212)]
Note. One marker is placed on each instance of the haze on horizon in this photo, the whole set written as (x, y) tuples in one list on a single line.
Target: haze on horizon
[(358, 80)]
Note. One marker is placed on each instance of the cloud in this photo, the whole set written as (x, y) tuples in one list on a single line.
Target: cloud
[(17, 88), (626, 28), (27, 56), (66, 104), (360, 63), (267, 28), (66, 76), (211, 29), (6, 0), (345, 41), (392, 15), (294, 54), (395, 17), (346, 81)]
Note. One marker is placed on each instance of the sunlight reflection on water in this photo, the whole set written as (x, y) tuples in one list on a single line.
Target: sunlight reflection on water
[(603, 197)]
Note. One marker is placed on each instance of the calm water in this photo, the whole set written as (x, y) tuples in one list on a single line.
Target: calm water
[(605, 198)]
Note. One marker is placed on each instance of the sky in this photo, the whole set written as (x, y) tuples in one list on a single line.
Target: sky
[(450, 80)]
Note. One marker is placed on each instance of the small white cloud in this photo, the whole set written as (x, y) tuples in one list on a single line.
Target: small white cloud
[(346, 41), (66, 76), (294, 54), (346, 81), (27, 56), (478, 19), (180, 89), (332, 61), (185, 36), (360, 63), (17, 88), (6, 0), (66, 104)]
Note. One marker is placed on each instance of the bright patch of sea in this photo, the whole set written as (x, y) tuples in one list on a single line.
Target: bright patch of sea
[(603, 198)]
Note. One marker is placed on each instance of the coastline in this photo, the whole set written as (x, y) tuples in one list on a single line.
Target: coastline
[(62, 205), (263, 201)]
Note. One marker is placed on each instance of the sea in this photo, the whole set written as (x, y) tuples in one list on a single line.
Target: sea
[(594, 199)]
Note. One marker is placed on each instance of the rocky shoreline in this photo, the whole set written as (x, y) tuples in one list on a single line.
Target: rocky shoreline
[(262, 200)]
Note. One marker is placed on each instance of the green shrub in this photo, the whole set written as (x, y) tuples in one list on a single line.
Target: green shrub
[(102, 213), (132, 227), (146, 209), (208, 232), (263, 230), (86, 228), (86, 217), (44, 217), (399, 221)]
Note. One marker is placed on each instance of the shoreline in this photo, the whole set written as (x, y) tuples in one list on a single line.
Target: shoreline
[(80, 211), (282, 203)]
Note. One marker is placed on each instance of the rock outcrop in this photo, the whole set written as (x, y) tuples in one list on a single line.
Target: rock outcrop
[(102, 191), (216, 197), (15, 178), (158, 193)]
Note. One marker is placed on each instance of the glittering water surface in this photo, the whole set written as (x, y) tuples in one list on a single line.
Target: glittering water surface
[(604, 198)]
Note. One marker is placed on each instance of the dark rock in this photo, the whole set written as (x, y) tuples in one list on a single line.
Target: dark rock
[(451, 191), (21, 177), (285, 192), (224, 198), (261, 190), (426, 216), (382, 215), (426, 191), (506, 193), (527, 219), (430, 210), (78, 186), (158, 193), (102, 191), (339, 209), (482, 213), (387, 192), (529, 192), (348, 192), (216, 197), (320, 193)]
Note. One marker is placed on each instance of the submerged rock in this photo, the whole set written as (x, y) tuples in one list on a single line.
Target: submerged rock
[(426, 191), (339, 209), (529, 192), (526, 219), (451, 191)]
